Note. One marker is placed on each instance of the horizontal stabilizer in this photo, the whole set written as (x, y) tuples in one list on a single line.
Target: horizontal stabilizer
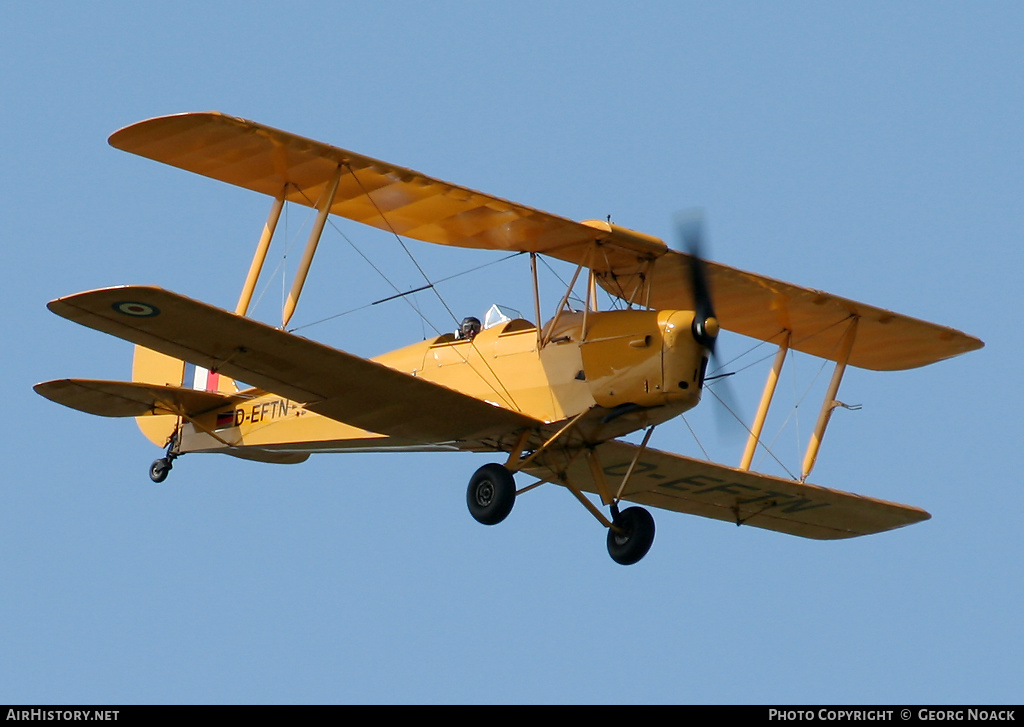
[(131, 399)]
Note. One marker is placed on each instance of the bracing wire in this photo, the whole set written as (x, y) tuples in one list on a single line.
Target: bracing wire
[(401, 243), (409, 292), (369, 262), (280, 267), (696, 438), (793, 415), (429, 285)]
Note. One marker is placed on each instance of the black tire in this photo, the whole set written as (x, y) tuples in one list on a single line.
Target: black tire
[(159, 470), (491, 494), (632, 545)]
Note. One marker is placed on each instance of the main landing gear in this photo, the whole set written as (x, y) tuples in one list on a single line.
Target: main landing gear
[(492, 493), (632, 535)]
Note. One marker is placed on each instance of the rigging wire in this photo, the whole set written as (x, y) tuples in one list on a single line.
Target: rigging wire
[(401, 242), (282, 263), (371, 264), (696, 438), (440, 298), (794, 413), (408, 292), (769, 355), (612, 300), (736, 416), (768, 447), (430, 285)]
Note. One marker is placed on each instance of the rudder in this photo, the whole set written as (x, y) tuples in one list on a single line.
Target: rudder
[(152, 367)]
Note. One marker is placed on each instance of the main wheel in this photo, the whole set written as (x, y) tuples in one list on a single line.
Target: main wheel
[(159, 470), (491, 494), (632, 544)]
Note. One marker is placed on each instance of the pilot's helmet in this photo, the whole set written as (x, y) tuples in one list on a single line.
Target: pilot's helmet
[(469, 327)]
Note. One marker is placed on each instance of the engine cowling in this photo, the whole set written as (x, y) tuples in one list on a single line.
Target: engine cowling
[(644, 358)]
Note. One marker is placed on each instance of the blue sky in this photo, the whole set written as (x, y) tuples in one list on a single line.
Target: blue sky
[(869, 149)]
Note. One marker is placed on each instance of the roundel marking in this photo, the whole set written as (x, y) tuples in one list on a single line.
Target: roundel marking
[(136, 309)]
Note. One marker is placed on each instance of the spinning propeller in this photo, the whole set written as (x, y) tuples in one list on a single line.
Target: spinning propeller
[(705, 327), (705, 324)]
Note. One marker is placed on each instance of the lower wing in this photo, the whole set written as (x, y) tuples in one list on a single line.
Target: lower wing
[(330, 382), (674, 482)]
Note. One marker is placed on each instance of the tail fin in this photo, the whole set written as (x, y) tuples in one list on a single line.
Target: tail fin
[(151, 367)]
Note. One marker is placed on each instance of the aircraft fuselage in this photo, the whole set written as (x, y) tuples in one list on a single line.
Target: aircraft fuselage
[(625, 369)]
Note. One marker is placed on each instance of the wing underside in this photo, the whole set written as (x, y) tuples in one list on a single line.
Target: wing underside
[(678, 483)]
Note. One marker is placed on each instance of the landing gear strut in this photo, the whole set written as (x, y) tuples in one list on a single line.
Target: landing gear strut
[(491, 494)]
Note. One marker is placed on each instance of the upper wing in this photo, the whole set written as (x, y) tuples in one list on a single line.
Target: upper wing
[(761, 307), (371, 191), (409, 203), (330, 382), (682, 484)]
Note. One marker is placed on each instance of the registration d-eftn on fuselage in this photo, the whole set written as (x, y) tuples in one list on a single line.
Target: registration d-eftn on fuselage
[(550, 400)]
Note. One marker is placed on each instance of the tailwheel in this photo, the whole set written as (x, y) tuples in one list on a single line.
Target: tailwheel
[(159, 470), (636, 536), (491, 494)]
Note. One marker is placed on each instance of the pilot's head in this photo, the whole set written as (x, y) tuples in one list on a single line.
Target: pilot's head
[(469, 327)]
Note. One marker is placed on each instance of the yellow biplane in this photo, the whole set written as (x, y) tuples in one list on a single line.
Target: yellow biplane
[(554, 399)]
